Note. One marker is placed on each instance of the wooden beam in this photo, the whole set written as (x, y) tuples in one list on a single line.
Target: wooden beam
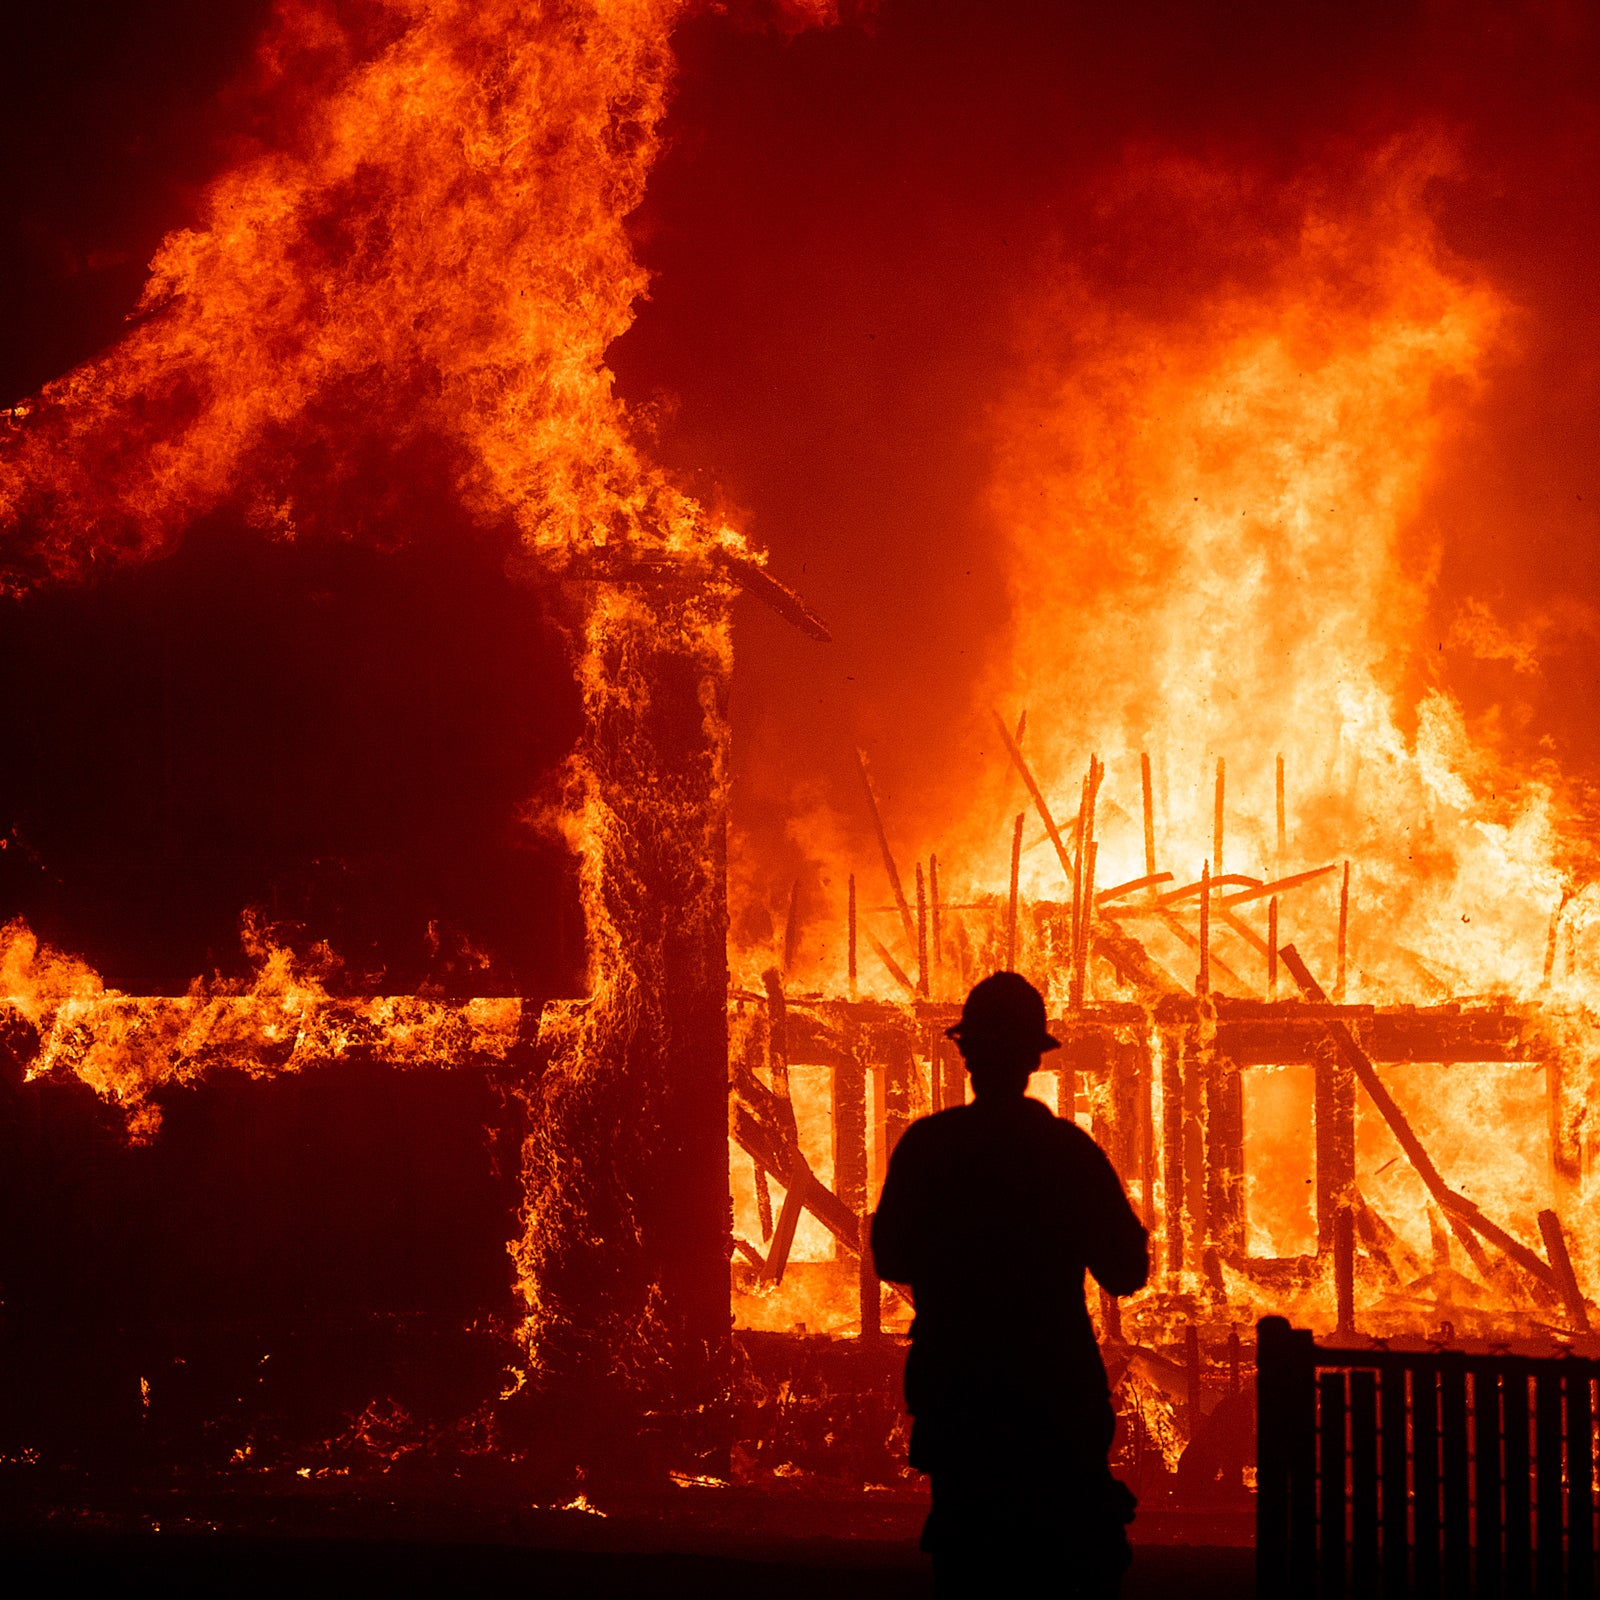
[(1463, 1216), (1555, 1242), (1149, 881), (1018, 761), (896, 971), (788, 1218), (892, 871), (1283, 832), (1149, 816), (922, 933), (1278, 886), (1011, 904)]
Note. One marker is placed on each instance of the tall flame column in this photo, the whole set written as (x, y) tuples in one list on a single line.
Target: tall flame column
[(625, 1251)]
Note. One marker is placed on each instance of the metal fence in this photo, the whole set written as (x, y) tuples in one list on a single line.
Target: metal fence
[(1423, 1473)]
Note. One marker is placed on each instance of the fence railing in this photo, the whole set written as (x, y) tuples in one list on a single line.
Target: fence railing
[(1433, 1473)]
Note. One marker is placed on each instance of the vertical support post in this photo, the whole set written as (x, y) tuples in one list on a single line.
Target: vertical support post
[(1011, 912), (1147, 1132), (890, 871), (1224, 1136), (1203, 982), (1080, 968), (1077, 869), (1149, 819), (1172, 1150), (899, 1071), (1067, 1082), (1194, 1142), (871, 1291), (1217, 820), (1124, 1146), (1283, 831), (1344, 1269), (1335, 1088), (1344, 935), (1193, 1377), (850, 1132), (851, 941), (935, 926), (1272, 948), (955, 1085), (922, 933), (1110, 1317), (1566, 1148)]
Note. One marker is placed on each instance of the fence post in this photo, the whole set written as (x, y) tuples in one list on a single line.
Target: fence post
[(1285, 1440)]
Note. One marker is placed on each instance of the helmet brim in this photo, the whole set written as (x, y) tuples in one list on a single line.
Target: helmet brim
[(1045, 1043)]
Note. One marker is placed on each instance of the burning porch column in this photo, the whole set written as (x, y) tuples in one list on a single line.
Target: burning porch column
[(624, 1255)]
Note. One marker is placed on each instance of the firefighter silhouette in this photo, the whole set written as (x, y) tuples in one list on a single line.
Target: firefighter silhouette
[(991, 1213)]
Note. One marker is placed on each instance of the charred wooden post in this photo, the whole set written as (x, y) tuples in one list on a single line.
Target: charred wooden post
[(1344, 935), (1194, 1386), (850, 1131), (778, 1046), (791, 931), (1110, 1317), (630, 1143), (851, 938), (1126, 1126), (1203, 980), (871, 1289), (1067, 1085), (1194, 1147), (1344, 1270), (1172, 1148), (935, 927), (1567, 1112), (1555, 1244), (1283, 831), (1080, 967), (1224, 1130), (922, 933), (1011, 904), (891, 871), (1076, 875), (1147, 1132), (899, 1063), (1149, 819), (795, 1184), (1013, 746), (1465, 1219), (1335, 1132), (1217, 818), (890, 965)]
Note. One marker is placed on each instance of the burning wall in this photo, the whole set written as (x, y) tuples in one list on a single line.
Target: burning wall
[(412, 288)]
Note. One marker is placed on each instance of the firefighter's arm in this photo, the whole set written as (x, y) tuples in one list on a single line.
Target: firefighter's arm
[(894, 1225), (1119, 1247)]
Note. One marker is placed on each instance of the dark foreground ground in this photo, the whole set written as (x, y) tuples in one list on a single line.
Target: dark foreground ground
[(209, 1565), (708, 1543)]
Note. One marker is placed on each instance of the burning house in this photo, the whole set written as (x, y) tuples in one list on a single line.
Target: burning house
[(406, 1061)]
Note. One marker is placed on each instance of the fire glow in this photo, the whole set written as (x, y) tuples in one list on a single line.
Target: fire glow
[(1223, 819)]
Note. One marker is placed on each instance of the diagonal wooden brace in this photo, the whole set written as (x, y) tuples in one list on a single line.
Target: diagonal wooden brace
[(1464, 1218)]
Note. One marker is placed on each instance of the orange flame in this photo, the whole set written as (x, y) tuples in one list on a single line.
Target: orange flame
[(434, 250)]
